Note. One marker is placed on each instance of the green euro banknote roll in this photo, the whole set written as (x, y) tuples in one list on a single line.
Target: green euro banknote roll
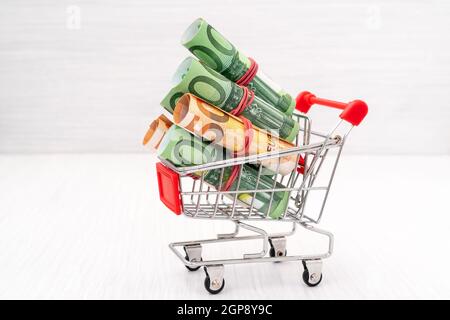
[(182, 148), (205, 83), (217, 52)]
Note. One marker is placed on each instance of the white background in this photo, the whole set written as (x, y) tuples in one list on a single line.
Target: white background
[(81, 80), (94, 83)]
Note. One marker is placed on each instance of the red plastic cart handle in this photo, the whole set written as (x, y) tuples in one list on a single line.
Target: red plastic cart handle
[(169, 187), (353, 112)]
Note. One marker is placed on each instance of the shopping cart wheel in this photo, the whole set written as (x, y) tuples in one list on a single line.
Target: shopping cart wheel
[(214, 281), (210, 289), (312, 273), (190, 268), (193, 254), (277, 247), (310, 280)]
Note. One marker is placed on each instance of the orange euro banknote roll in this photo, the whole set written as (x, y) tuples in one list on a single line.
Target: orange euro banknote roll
[(156, 132), (218, 126)]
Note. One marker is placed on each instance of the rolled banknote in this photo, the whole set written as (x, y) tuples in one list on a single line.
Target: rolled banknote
[(182, 148), (200, 80), (217, 52), (220, 127), (156, 132)]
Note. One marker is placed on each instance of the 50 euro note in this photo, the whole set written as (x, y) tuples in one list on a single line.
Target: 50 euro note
[(213, 124), (183, 149), (194, 77), (156, 132), (211, 47)]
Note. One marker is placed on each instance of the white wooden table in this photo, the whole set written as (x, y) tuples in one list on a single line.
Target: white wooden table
[(92, 227)]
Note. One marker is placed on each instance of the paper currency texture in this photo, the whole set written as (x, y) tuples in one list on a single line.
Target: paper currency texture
[(200, 80), (218, 53), (182, 148), (156, 132), (213, 124)]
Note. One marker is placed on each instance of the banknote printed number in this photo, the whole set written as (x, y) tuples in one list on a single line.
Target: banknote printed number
[(194, 149), (217, 45), (216, 116), (208, 56), (174, 98), (211, 83)]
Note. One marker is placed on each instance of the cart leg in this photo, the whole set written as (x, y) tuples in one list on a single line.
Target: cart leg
[(214, 281), (193, 254), (328, 234), (277, 247), (312, 272)]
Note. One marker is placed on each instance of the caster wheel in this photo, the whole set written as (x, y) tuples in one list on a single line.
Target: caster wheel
[(208, 286), (190, 268), (272, 253), (312, 282)]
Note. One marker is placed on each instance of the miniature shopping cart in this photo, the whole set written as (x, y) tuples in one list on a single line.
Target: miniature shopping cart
[(196, 199)]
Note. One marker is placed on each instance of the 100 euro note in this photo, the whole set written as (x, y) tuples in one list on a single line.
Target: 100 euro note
[(213, 124), (194, 77), (218, 53), (183, 149)]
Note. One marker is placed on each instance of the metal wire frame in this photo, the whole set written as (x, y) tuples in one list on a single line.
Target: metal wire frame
[(202, 201), (197, 202)]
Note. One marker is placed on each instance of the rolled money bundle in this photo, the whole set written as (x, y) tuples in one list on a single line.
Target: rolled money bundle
[(213, 124), (156, 132), (217, 52), (182, 148), (200, 80)]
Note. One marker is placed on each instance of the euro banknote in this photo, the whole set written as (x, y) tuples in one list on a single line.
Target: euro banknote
[(200, 80), (211, 47), (182, 148), (220, 127)]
